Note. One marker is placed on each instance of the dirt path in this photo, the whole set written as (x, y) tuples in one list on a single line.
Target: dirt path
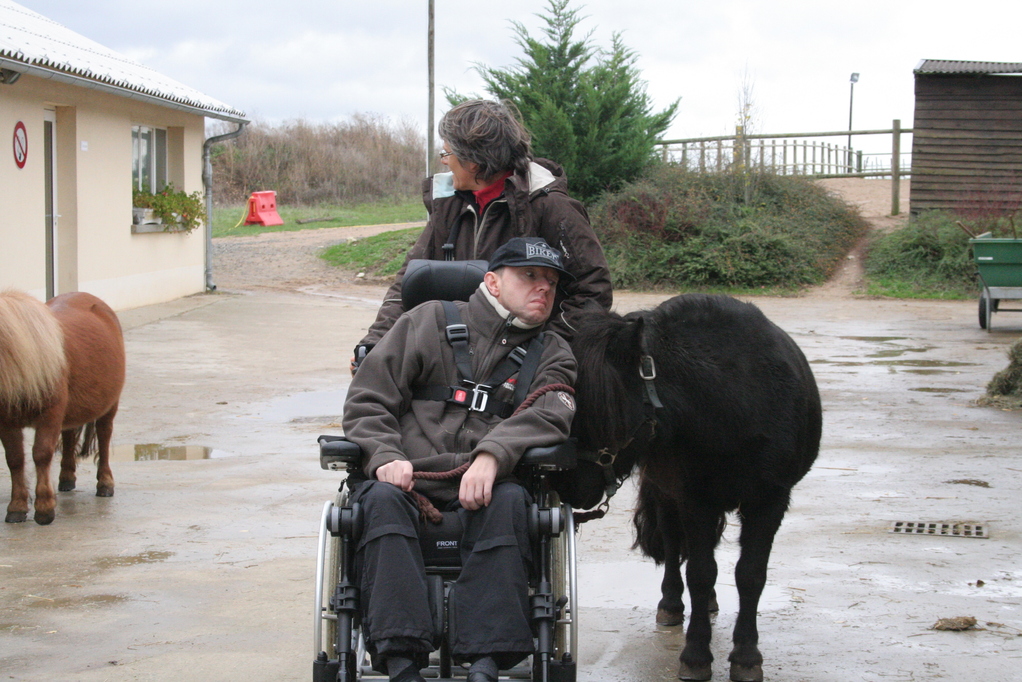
[(288, 261)]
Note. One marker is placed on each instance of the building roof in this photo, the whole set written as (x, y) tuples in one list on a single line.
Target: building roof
[(946, 66), (30, 43)]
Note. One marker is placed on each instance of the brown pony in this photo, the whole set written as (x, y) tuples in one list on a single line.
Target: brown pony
[(61, 372)]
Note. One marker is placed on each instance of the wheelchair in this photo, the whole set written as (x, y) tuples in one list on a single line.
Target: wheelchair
[(339, 649)]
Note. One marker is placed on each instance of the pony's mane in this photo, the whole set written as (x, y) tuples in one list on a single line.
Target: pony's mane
[(599, 388), (32, 360)]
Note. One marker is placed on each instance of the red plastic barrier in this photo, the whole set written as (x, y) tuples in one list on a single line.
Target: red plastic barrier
[(262, 209)]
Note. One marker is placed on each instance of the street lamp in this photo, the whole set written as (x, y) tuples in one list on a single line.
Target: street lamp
[(851, 96)]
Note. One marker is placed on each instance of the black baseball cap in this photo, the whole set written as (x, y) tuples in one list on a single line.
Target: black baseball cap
[(524, 251)]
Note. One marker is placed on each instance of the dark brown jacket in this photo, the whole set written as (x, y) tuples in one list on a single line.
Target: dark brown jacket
[(536, 205), (381, 416)]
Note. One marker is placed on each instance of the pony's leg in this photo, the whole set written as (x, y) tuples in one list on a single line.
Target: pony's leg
[(701, 534), (68, 450), (104, 433), (45, 445), (671, 609), (758, 529), (13, 440)]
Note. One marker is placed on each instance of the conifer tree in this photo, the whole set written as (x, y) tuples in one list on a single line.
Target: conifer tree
[(586, 107)]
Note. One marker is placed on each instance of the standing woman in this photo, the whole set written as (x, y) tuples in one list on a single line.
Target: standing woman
[(494, 190)]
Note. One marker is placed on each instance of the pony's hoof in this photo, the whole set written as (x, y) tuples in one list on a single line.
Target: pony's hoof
[(669, 617), (66, 486), (16, 517), (104, 491), (701, 672), (45, 518), (746, 673)]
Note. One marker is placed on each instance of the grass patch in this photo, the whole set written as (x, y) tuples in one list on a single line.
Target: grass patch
[(381, 255), (734, 232), (226, 218), (928, 258)]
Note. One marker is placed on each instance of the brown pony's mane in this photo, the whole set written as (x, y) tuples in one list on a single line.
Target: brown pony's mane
[(32, 359)]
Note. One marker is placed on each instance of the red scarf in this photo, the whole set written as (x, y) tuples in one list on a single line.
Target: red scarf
[(487, 194)]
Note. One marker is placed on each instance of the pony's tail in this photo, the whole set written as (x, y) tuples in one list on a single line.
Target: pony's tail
[(654, 516), (32, 360), (647, 521), (85, 442)]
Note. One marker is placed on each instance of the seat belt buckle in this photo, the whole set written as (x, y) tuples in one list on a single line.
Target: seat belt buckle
[(480, 397), (456, 333)]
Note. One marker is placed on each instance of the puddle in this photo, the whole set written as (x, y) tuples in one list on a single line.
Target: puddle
[(151, 452), (303, 408), (924, 363), (603, 586), (76, 602), (874, 339), (896, 352), (941, 390), (150, 557)]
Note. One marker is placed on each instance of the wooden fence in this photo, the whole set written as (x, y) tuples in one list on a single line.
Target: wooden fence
[(806, 154)]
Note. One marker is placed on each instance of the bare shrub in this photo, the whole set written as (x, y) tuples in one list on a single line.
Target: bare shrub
[(366, 158)]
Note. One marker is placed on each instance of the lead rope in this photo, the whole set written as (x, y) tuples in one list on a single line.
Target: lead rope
[(430, 512)]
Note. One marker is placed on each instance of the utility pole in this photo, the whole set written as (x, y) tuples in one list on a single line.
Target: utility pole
[(430, 150), (851, 95)]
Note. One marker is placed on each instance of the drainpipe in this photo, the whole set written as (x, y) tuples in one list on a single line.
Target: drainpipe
[(207, 181)]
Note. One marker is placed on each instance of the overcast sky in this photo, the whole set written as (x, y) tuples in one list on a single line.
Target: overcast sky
[(324, 60)]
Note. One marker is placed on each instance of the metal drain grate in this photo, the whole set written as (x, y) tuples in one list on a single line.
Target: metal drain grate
[(954, 530)]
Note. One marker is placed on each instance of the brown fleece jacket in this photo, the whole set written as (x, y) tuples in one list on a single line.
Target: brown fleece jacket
[(381, 416)]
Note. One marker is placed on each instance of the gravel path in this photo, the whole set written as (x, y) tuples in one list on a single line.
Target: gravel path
[(288, 261)]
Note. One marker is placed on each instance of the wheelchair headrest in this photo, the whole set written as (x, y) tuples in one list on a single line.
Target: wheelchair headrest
[(440, 280)]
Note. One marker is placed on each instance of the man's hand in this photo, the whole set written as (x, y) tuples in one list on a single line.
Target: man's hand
[(477, 483), (398, 472)]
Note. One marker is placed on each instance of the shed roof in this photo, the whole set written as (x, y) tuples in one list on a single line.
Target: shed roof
[(948, 66), (31, 43)]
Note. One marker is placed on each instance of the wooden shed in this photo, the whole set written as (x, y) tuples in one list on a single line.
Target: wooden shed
[(967, 136)]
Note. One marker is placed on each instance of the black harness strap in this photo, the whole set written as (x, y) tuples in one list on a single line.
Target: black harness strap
[(476, 396), (457, 336), (530, 364)]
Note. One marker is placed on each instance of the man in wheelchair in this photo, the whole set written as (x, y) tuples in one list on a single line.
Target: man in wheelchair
[(458, 385)]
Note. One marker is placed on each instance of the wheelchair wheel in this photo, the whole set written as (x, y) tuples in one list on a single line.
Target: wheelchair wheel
[(333, 562), (565, 584)]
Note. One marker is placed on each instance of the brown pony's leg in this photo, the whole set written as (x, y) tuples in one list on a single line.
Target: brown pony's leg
[(46, 435), (104, 475), (68, 450), (14, 446)]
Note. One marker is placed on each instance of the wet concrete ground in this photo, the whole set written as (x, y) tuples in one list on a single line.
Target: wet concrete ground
[(202, 568)]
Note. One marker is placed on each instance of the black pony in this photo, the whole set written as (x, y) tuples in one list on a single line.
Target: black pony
[(718, 409)]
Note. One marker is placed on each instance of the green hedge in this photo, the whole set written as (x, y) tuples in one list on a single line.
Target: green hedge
[(928, 258), (679, 229)]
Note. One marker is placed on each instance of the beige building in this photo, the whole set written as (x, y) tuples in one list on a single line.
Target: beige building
[(80, 127)]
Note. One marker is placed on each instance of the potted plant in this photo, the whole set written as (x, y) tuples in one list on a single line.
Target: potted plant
[(177, 210)]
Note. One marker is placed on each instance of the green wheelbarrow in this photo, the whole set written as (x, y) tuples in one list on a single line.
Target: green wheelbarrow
[(999, 261)]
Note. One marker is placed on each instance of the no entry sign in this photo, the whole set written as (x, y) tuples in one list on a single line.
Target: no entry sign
[(20, 144)]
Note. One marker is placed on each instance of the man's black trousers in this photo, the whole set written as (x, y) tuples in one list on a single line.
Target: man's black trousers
[(488, 604)]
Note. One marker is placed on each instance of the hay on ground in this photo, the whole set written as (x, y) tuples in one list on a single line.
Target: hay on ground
[(1005, 389)]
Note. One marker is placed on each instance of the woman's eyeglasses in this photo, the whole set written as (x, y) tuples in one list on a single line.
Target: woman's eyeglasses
[(445, 154)]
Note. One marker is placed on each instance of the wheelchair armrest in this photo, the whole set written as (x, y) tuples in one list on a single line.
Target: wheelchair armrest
[(336, 452), (560, 456)]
